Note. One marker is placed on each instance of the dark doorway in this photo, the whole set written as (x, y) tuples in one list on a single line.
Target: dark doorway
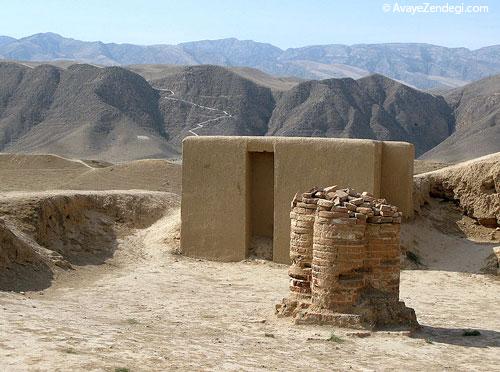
[(261, 205)]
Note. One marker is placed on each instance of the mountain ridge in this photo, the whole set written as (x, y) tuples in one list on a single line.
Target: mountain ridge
[(476, 108), (114, 114), (81, 111), (424, 66)]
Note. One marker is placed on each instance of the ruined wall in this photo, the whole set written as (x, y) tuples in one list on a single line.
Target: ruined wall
[(355, 266), (216, 190)]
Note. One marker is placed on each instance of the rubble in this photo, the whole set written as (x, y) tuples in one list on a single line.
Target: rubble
[(344, 248)]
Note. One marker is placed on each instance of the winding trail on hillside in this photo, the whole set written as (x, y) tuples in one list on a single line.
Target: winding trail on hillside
[(202, 124)]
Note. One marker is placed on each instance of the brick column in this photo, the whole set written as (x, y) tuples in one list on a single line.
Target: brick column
[(337, 266), (383, 258), (350, 275), (301, 247)]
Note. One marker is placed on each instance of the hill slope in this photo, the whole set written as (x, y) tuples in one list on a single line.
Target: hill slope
[(20, 172), (422, 65), (477, 110), (113, 114), (204, 100), (373, 107), (276, 83), (82, 111)]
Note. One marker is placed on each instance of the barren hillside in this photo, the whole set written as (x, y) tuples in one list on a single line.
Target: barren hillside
[(477, 110), (114, 114), (82, 111), (204, 100), (373, 107)]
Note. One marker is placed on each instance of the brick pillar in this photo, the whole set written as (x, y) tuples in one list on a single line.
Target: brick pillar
[(301, 247), (350, 275), (383, 259), (301, 242), (337, 266)]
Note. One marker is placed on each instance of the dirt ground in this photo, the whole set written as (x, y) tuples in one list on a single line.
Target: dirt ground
[(150, 309), (23, 172), (422, 166)]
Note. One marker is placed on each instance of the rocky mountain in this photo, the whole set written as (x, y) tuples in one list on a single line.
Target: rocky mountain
[(156, 72), (424, 66), (477, 110), (115, 114), (83, 111), (203, 100), (371, 107)]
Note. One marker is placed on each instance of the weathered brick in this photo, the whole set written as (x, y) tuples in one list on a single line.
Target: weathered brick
[(325, 203), (352, 245), (306, 205)]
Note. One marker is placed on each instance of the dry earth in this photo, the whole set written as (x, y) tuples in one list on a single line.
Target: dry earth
[(20, 172), (150, 309), (142, 306), (423, 166)]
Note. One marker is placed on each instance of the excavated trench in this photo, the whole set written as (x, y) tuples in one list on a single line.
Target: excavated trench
[(44, 232)]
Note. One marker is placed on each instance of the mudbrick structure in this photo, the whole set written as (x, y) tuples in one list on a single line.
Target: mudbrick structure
[(259, 175), (344, 248)]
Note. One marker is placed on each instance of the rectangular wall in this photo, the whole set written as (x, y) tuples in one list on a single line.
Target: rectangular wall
[(396, 182), (214, 194), (301, 163)]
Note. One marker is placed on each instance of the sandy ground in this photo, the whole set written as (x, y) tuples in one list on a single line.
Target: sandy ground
[(23, 172), (148, 308), (422, 166), (444, 239)]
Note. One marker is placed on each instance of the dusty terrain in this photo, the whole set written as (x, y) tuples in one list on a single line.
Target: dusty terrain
[(150, 309), (423, 166), (134, 302), (473, 185), (22, 172)]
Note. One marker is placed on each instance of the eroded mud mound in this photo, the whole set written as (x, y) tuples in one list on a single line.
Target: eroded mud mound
[(473, 185), (457, 214), (40, 232)]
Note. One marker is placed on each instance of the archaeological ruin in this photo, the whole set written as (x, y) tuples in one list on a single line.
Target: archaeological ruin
[(236, 190), (345, 261)]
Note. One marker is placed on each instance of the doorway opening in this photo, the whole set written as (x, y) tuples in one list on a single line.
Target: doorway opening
[(261, 205)]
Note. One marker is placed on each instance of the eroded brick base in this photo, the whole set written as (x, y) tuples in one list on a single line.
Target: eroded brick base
[(344, 248)]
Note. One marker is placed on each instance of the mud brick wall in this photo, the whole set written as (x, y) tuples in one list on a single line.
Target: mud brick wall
[(224, 231)]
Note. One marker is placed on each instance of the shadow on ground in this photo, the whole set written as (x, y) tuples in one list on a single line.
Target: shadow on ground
[(20, 278), (459, 336)]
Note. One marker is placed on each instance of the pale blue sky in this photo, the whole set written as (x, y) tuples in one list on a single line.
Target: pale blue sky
[(285, 23)]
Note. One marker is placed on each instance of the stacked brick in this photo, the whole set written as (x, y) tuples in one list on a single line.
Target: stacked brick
[(349, 275), (301, 245)]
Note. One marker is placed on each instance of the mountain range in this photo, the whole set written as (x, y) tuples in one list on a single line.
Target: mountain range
[(424, 66), (116, 114)]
